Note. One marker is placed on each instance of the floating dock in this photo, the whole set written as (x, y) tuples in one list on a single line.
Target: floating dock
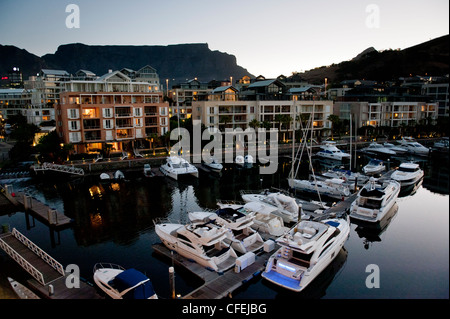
[(216, 285), (36, 208)]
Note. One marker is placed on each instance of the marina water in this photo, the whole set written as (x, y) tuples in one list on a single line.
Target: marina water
[(113, 222)]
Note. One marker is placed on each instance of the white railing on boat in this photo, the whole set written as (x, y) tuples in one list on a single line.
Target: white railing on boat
[(98, 266)]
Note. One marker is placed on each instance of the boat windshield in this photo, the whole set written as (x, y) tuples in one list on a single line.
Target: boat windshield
[(408, 169)]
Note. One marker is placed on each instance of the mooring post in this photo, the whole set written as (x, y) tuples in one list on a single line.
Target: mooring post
[(172, 281), (51, 290)]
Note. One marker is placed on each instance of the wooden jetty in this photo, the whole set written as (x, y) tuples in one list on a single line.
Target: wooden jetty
[(49, 277), (36, 208), (216, 285)]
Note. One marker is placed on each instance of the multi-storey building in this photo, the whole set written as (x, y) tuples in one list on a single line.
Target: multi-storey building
[(392, 114), (111, 109), (226, 108), (14, 101), (437, 91)]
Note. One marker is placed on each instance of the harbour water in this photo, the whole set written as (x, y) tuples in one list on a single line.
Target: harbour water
[(113, 222)]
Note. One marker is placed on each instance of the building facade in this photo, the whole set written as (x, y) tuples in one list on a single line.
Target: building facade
[(111, 109)]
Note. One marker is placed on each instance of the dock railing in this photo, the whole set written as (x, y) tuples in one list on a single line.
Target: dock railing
[(38, 251), (22, 262)]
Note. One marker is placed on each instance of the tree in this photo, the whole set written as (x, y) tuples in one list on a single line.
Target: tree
[(254, 124), (50, 149), (335, 124)]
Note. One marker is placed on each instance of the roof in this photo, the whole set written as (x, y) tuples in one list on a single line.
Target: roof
[(262, 83), (301, 89), (222, 89), (54, 72)]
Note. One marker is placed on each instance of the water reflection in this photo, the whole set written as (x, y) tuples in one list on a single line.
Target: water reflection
[(371, 232)]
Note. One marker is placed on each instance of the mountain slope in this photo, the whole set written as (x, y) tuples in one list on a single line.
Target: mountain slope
[(431, 58)]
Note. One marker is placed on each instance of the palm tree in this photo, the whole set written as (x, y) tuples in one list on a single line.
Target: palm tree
[(254, 124)]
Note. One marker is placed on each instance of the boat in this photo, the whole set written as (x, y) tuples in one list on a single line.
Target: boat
[(396, 148), (148, 170), (374, 200), (413, 146), (241, 236), (329, 150), (333, 187), (105, 176), (285, 206), (407, 174), (266, 220), (21, 291), (120, 283), (375, 166), (441, 145), (176, 166), (204, 245), (378, 149), (349, 177), (244, 161), (306, 250), (213, 164)]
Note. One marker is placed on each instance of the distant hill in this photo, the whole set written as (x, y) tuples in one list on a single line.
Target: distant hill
[(431, 57), (179, 62)]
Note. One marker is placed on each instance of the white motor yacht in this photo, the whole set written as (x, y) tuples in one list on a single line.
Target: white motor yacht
[(329, 150), (176, 166), (374, 200), (378, 149), (244, 161), (213, 164), (375, 166), (306, 250), (396, 148), (413, 146), (286, 206), (241, 236), (205, 245), (407, 174), (121, 283), (266, 220), (333, 187)]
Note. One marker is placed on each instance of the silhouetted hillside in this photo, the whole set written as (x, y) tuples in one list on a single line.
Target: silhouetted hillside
[(430, 58)]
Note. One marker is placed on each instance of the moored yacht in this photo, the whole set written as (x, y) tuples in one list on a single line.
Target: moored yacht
[(244, 161), (306, 250), (413, 146), (375, 166), (286, 206), (333, 187), (266, 220), (121, 283), (213, 164), (329, 150), (378, 149), (374, 200), (241, 236), (176, 166), (396, 148), (204, 245), (407, 174)]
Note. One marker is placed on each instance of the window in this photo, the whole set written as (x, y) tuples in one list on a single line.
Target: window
[(137, 111), (107, 112), (74, 125), (73, 113), (211, 119), (107, 124)]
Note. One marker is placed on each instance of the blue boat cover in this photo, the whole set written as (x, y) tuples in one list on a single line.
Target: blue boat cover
[(131, 277), (332, 223)]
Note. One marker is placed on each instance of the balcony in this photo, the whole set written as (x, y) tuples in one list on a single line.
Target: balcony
[(124, 134)]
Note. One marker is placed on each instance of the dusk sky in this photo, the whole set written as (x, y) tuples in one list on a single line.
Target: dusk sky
[(267, 37)]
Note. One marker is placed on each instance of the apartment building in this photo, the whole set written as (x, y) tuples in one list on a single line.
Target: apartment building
[(113, 109), (392, 114), (226, 108), (14, 101)]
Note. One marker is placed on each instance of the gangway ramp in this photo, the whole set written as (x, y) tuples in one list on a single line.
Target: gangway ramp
[(58, 168), (30, 257)]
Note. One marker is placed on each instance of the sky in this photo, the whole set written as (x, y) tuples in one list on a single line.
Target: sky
[(267, 38)]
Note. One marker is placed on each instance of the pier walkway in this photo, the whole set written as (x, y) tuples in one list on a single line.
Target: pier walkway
[(43, 212), (49, 277), (57, 168)]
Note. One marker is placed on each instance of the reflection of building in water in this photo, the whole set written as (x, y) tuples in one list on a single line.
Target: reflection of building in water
[(371, 232), (437, 176)]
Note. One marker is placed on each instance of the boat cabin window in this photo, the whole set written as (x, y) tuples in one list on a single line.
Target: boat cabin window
[(372, 203), (408, 169), (300, 258)]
